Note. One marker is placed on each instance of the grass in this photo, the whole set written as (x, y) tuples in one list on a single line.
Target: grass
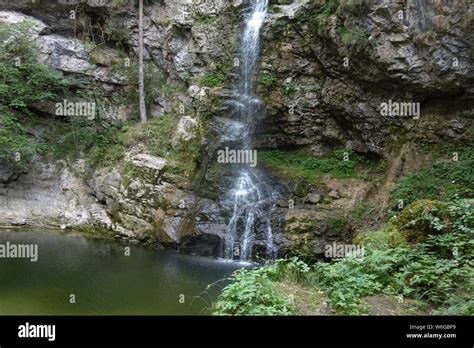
[(296, 163), (442, 179), (213, 79), (156, 135), (352, 37)]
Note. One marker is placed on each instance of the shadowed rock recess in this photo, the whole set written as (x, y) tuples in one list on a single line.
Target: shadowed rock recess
[(340, 100)]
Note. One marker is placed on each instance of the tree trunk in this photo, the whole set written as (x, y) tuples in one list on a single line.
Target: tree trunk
[(141, 77)]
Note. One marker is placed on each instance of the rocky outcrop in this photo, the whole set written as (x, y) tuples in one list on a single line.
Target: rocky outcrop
[(49, 195), (337, 64)]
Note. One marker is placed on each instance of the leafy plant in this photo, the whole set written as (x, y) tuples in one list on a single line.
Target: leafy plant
[(428, 271), (252, 293), (13, 140), (292, 269), (289, 88), (213, 79), (268, 80), (23, 82)]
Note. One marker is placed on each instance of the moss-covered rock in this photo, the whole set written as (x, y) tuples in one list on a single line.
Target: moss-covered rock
[(417, 221)]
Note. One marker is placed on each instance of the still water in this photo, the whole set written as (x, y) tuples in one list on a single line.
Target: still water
[(103, 279)]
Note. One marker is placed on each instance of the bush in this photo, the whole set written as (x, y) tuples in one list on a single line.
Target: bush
[(292, 269), (435, 271), (252, 293), (23, 82), (13, 140), (426, 217)]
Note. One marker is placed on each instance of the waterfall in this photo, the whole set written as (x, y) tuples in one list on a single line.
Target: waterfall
[(251, 201)]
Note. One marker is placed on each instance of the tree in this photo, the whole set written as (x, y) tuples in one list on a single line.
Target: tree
[(141, 77)]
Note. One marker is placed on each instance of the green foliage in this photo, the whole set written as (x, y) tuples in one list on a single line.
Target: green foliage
[(338, 225), (434, 271), (289, 88), (440, 180), (438, 271), (13, 139), (426, 217), (16, 42), (352, 37), (299, 164), (156, 136), (327, 9), (344, 10), (316, 88), (268, 80), (292, 269), (28, 83), (99, 142), (363, 211), (252, 293), (213, 79), (23, 82)]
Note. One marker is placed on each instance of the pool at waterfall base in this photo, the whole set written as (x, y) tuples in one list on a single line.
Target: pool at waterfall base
[(77, 275)]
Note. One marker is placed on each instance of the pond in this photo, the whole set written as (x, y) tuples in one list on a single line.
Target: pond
[(76, 275)]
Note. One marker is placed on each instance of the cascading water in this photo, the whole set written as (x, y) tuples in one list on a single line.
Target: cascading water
[(251, 201)]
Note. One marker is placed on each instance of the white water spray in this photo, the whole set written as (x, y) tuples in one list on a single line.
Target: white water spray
[(252, 199)]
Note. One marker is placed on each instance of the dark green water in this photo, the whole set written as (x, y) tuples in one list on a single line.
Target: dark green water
[(103, 279)]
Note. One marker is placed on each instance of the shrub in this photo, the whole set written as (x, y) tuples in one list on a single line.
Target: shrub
[(13, 139), (252, 293), (426, 217), (23, 82), (435, 271), (292, 269)]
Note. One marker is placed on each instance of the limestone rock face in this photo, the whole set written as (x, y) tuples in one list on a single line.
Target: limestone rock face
[(49, 196), (336, 67)]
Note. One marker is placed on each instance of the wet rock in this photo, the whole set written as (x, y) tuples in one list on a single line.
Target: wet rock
[(313, 198)]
